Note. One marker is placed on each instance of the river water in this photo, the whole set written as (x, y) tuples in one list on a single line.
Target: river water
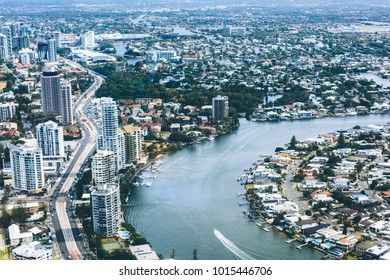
[(196, 189)]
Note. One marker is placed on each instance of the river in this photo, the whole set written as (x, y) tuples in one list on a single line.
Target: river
[(195, 192)]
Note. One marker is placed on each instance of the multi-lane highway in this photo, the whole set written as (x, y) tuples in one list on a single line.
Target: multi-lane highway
[(68, 235)]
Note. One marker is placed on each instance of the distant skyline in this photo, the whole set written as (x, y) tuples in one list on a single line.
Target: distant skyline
[(195, 3)]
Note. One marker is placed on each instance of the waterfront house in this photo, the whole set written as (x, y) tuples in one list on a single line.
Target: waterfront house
[(361, 247), (348, 243)]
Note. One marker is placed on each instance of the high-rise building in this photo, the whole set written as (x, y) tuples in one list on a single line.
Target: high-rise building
[(20, 42), (57, 37), (7, 110), (24, 58), (51, 50), (133, 143), (51, 91), (109, 139), (88, 39), (43, 49), (106, 209), (50, 138), (27, 167), (220, 107), (6, 30), (4, 54), (56, 96), (66, 102), (103, 167)]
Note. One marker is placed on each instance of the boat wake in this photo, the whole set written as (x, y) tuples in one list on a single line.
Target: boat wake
[(232, 247)]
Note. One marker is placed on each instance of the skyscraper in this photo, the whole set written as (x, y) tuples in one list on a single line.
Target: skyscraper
[(66, 102), (57, 37), (56, 95), (4, 54), (50, 138), (43, 50), (133, 143), (103, 167), (27, 167), (220, 107), (109, 139), (51, 89), (106, 209), (51, 50)]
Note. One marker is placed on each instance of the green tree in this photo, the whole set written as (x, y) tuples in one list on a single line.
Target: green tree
[(293, 143), (19, 212), (341, 141)]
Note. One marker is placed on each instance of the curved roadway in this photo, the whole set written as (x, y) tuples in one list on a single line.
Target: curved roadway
[(67, 229)]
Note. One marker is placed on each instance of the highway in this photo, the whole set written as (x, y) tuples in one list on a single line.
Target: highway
[(67, 231)]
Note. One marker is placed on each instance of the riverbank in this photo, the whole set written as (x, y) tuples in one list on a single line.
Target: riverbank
[(196, 189), (305, 190)]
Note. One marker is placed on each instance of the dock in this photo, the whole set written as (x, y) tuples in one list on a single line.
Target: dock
[(299, 247)]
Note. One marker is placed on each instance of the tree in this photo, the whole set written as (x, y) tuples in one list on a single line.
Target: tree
[(293, 143), (5, 219), (341, 141), (19, 212)]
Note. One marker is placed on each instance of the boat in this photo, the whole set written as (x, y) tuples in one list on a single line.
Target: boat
[(290, 240), (267, 228), (259, 224)]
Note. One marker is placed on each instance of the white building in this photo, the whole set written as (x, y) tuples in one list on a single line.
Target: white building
[(16, 237), (57, 37), (50, 139), (4, 54), (103, 167), (106, 209), (52, 50), (66, 106), (7, 110), (32, 251), (27, 167), (110, 139), (88, 39)]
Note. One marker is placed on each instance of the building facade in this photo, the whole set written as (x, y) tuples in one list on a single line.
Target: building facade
[(51, 50), (110, 139), (51, 88), (220, 107), (50, 138), (88, 39), (66, 102), (4, 52), (103, 167), (27, 167), (56, 96), (133, 143), (106, 209), (7, 110), (32, 251)]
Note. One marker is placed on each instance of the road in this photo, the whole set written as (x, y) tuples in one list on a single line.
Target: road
[(66, 226), (293, 194)]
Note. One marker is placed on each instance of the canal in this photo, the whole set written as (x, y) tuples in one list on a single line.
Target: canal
[(195, 192)]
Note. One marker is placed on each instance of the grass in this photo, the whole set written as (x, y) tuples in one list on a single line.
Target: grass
[(4, 255), (110, 244)]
